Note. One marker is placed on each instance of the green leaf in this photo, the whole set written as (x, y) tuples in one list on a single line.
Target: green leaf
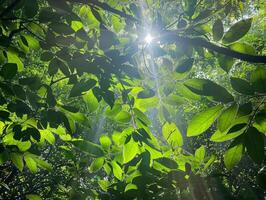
[(172, 134), (9, 70), (234, 153), (254, 142), (243, 48), (31, 163), (141, 116), (234, 132), (185, 65), (227, 117), (97, 164), (61, 28), (88, 147), (81, 87), (43, 164), (105, 141), (174, 100), (242, 86), (130, 150), (17, 160), (225, 62), (167, 162), (200, 153), (33, 197), (203, 120), (118, 172), (146, 93), (208, 88), (260, 122), (91, 101), (123, 117), (217, 30), (258, 80), (237, 31), (12, 57)]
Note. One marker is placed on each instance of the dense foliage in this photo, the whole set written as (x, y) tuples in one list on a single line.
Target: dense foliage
[(132, 99)]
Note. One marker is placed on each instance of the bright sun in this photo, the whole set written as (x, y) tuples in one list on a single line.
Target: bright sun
[(148, 38)]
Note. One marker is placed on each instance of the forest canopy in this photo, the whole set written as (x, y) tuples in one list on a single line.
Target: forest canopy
[(147, 99)]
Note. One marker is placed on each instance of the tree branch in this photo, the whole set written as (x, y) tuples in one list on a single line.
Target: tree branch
[(173, 37)]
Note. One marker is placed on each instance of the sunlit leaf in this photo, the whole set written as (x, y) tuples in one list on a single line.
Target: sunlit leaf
[(172, 134), (130, 149), (227, 117), (203, 120)]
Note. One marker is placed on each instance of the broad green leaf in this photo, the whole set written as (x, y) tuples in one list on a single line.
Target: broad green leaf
[(105, 141), (17, 160), (32, 43), (243, 48), (123, 117), (225, 62), (141, 116), (81, 87), (260, 122), (91, 101), (234, 153), (118, 172), (258, 80), (227, 117), (43, 164), (117, 23), (8, 70), (88, 147), (30, 163), (174, 100), (203, 120), (234, 132), (104, 184), (172, 134), (167, 162), (61, 28), (131, 186), (97, 164), (33, 197), (242, 86), (12, 57), (237, 31), (208, 88), (130, 149), (254, 142), (185, 65), (217, 30), (200, 153)]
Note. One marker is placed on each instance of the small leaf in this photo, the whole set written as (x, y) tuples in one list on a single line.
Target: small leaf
[(227, 117), (118, 172), (33, 197), (172, 134), (200, 153), (237, 31), (234, 153), (130, 149), (123, 117), (105, 141), (9, 70), (217, 30), (203, 120), (30, 162), (242, 86), (258, 80), (254, 142), (17, 160), (97, 164)]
